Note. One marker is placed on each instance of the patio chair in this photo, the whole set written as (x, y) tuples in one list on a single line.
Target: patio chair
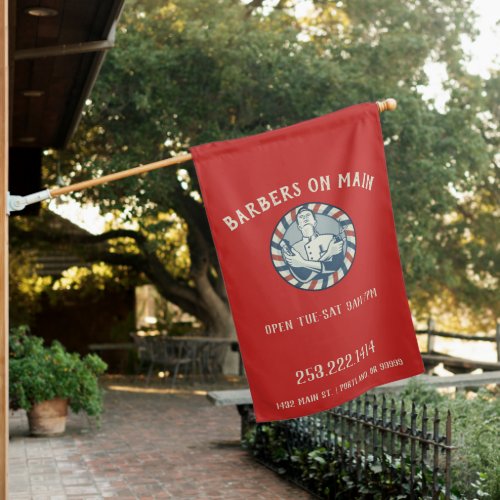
[(174, 356), (143, 351), (213, 359), (157, 351)]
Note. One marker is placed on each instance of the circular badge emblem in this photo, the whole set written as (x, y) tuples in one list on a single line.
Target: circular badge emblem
[(313, 246)]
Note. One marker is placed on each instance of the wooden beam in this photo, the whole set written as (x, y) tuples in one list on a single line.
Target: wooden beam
[(4, 248), (234, 397), (434, 359), (458, 381), (63, 50)]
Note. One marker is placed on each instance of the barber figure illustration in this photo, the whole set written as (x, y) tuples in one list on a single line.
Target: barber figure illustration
[(315, 255)]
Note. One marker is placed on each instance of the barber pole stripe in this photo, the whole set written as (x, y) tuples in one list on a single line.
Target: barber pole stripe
[(335, 213), (275, 248), (321, 284), (312, 285), (276, 240)]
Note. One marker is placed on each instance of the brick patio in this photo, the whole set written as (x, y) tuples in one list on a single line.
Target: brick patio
[(159, 444)]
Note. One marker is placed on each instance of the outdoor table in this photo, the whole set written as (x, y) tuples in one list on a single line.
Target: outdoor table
[(202, 350), (198, 354)]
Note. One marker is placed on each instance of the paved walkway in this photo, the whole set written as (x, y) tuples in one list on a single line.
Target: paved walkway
[(150, 445)]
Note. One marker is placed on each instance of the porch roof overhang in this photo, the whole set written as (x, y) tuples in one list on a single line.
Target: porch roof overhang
[(57, 48)]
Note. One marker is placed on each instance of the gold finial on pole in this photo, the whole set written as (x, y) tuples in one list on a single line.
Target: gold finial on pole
[(387, 105)]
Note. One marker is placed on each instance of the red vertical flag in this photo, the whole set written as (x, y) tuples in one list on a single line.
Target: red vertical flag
[(303, 225)]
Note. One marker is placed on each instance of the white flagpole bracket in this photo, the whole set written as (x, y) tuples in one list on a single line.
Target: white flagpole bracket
[(16, 203)]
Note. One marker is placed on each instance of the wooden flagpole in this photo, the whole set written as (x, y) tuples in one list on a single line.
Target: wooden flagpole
[(386, 105), (120, 175)]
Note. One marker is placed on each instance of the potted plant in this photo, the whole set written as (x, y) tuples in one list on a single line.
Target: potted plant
[(45, 380)]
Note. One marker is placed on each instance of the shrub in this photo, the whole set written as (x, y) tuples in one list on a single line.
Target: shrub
[(38, 373), (475, 464)]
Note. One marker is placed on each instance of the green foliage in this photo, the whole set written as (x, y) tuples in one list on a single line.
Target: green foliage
[(189, 72), (38, 373), (421, 394), (29, 291), (475, 434), (475, 465), (25, 286), (332, 473)]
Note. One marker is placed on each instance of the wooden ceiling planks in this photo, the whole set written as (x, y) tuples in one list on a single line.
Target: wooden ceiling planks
[(49, 118)]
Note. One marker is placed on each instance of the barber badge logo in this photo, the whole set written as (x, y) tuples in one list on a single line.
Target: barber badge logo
[(313, 246)]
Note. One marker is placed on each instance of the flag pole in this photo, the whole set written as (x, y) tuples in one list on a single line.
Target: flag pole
[(121, 175), (19, 202), (387, 105)]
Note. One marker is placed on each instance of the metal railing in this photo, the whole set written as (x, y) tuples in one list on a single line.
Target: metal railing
[(369, 440)]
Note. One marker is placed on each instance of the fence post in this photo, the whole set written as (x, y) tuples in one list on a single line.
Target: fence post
[(431, 327), (498, 341), (448, 456), (413, 447), (423, 449), (247, 419), (435, 468)]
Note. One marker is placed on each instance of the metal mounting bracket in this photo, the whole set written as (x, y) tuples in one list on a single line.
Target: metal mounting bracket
[(16, 203)]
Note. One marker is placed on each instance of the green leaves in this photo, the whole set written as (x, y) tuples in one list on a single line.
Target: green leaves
[(38, 373), (333, 473), (190, 72)]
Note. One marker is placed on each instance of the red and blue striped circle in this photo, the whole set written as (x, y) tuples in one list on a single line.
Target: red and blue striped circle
[(319, 280)]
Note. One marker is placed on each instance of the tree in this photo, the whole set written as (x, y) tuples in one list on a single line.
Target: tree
[(188, 72)]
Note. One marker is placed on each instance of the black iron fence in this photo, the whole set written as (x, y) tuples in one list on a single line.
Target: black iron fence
[(367, 448)]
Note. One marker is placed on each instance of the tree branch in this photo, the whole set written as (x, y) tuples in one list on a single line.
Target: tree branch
[(135, 261), (118, 233), (182, 295)]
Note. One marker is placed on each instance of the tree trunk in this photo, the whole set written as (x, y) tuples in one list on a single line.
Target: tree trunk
[(201, 297), (221, 321)]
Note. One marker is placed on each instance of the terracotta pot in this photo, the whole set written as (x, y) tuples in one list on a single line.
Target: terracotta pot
[(48, 418)]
